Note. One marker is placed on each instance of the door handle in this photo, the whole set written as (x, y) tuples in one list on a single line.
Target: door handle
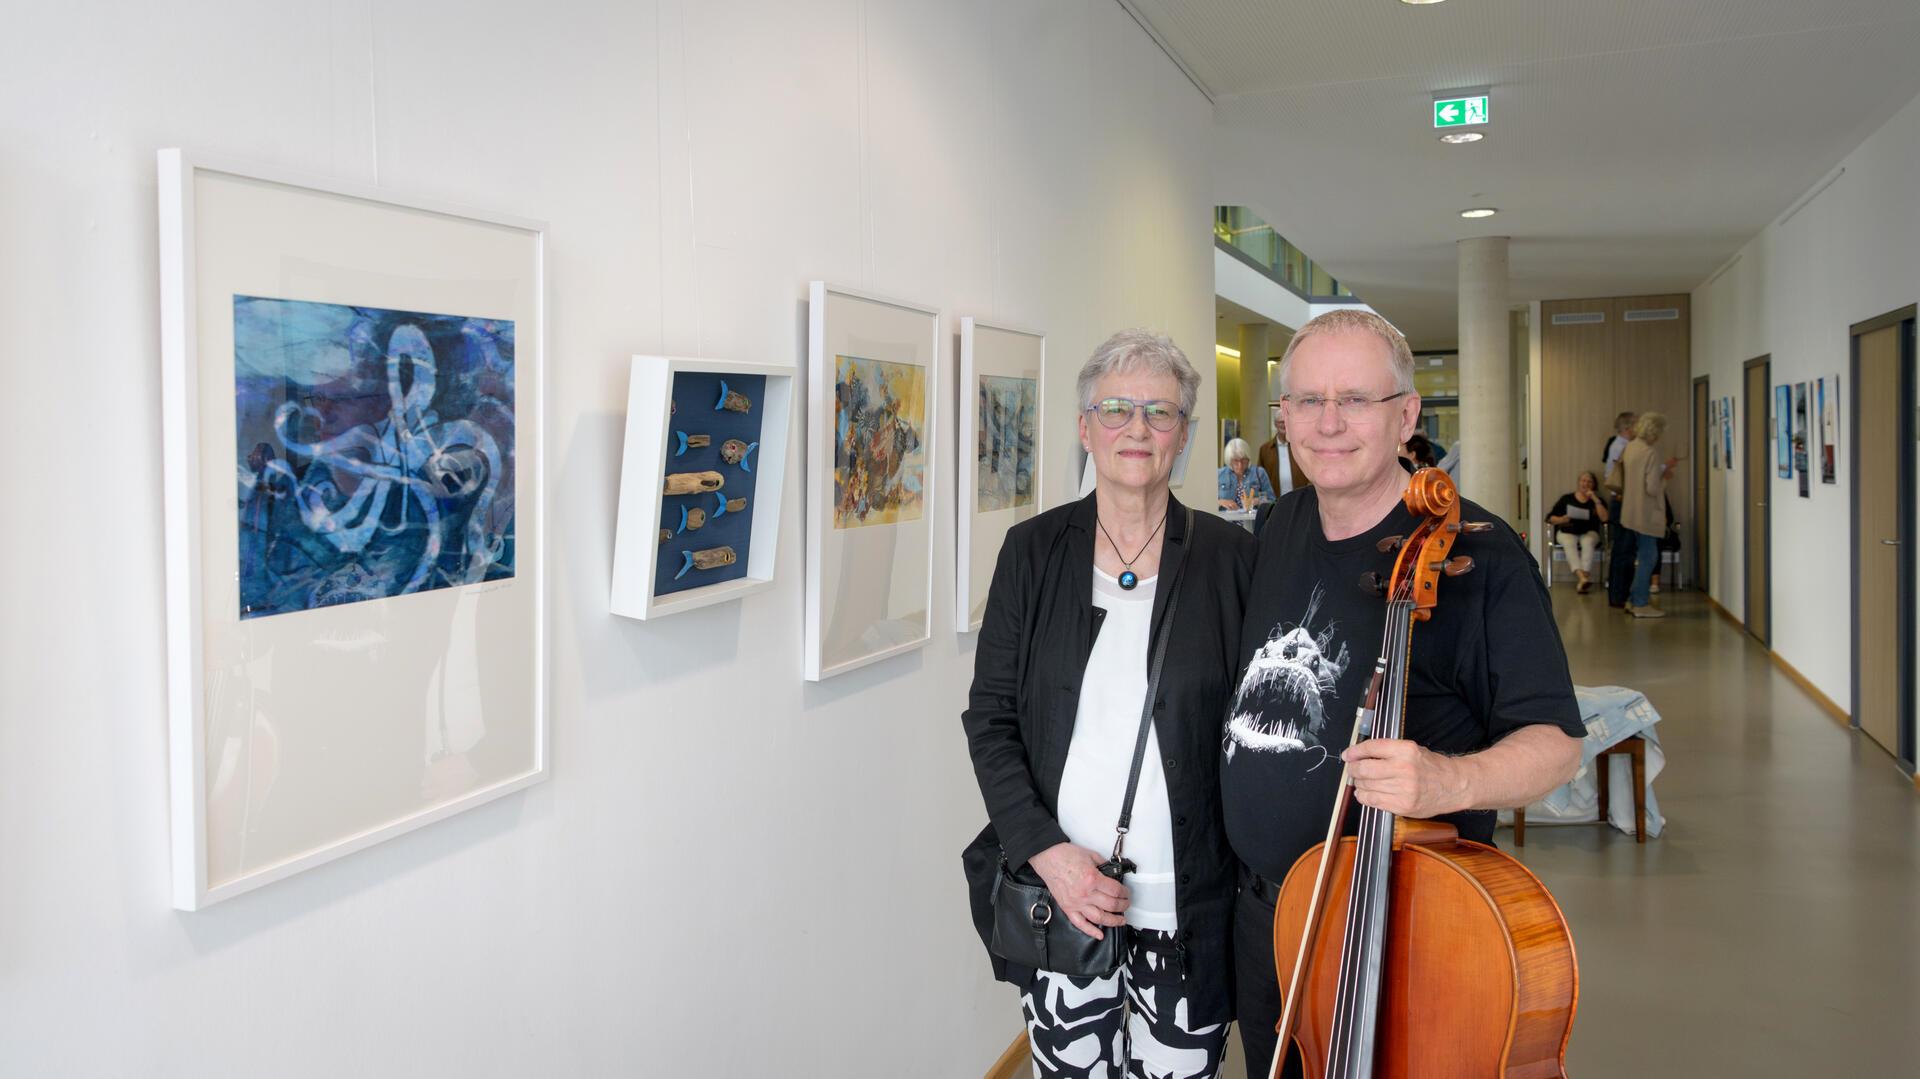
[(1759, 503), (1890, 543)]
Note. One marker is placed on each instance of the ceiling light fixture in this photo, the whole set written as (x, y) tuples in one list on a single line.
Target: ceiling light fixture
[(1479, 211), (1225, 351), (1459, 137), (1420, 3)]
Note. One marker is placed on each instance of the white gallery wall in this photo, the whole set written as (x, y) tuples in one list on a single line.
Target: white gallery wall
[(1849, 253), (730, 872)]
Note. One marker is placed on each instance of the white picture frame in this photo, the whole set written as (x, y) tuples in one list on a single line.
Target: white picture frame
[(651, 451), (992, 350), (315, 711), (869, 571)]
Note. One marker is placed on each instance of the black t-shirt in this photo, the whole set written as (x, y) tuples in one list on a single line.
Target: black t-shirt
[(1488, 662), (1575, 527)]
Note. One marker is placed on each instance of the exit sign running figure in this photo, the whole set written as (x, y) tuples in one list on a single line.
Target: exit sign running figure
[(1460, 111)]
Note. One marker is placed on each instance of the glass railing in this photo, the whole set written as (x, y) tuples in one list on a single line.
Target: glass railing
[(1242, 230)]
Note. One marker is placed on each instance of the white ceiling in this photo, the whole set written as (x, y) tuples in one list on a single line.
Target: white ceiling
[(1635, 144)]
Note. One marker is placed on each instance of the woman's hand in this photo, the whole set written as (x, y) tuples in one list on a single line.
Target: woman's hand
[(1559, 521), (1088, 899)]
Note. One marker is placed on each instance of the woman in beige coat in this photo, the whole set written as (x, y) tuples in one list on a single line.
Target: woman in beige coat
[(1643, 507)]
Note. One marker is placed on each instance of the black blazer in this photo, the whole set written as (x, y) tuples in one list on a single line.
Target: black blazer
[(1031, 655)]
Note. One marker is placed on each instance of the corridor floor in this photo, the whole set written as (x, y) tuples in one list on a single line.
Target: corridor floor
[(1774, 930)]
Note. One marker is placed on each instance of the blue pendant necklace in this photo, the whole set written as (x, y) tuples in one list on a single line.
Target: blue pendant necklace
[(1129, 580)]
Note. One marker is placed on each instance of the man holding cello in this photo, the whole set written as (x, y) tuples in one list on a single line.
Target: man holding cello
[(1489, 710)]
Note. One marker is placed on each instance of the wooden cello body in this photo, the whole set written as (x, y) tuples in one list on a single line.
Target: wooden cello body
[(1426, 956), (1480, 978)]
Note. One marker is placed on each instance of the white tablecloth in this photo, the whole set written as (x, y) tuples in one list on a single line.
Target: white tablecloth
[(1612, 714)]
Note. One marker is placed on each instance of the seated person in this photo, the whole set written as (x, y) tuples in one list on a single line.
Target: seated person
[(1242, 486), (1579, 516)]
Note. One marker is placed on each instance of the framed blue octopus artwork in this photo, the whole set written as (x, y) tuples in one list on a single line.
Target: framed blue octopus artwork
[(353, 445), (374, 452)]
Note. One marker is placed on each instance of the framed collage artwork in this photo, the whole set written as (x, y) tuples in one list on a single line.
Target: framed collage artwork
[(355, 503), (1001, 403), (873, 395)]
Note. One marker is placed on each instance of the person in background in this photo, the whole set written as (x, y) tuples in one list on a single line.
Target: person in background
[(1418, 448), (1276, 460), (1578, 518), (1643, 510), (1620, 561), (1242, 487)]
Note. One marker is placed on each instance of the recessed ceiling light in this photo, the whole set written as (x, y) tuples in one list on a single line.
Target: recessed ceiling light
[(1419, 2), (1479, 211), (1463, 136)]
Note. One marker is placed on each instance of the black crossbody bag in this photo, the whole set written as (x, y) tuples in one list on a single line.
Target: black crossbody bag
[(1028, 928)]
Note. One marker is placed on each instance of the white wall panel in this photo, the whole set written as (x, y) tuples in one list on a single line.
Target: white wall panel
[(698, 163)]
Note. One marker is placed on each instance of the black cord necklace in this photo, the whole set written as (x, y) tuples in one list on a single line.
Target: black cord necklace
[(1128, 579)]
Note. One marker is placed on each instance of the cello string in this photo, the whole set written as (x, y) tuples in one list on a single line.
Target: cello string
[(1368, 867)]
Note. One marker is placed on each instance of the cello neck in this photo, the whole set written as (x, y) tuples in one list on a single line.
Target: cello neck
[(1357, 1006)]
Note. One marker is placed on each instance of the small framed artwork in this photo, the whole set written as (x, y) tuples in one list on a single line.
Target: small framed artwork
[(1713, 431), (1229, 430), (1829, 427), (1783, 430), (701, 479), (1001, 380), (873, 393), (1800, 434), (1726, 431), (355, 516)]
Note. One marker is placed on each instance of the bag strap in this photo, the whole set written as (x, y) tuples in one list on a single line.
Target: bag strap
[(1153, 690)]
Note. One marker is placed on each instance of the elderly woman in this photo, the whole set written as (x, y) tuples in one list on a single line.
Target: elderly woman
[(1243, 486), (1577, 519), (1643, 507), (1080, 598)]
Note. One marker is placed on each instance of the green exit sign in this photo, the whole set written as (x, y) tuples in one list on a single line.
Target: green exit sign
[(1460, 111)]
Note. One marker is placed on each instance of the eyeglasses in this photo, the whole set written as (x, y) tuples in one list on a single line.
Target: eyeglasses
[(1311, 405), (1116, 412)]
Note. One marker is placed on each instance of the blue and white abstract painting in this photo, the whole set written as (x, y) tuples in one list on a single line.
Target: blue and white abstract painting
[(375, 452)]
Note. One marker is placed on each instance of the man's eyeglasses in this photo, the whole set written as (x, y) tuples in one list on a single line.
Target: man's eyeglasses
[(1310, 405), (1116, 412)]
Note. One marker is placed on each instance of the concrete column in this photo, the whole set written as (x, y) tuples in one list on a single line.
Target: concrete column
[(1254, 341), (1488, 471)]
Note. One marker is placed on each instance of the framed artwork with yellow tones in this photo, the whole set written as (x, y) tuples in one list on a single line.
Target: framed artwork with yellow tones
[(873, 388)]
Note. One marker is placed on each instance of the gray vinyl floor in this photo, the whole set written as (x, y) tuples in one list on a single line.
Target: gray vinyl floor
[(1774, 930)]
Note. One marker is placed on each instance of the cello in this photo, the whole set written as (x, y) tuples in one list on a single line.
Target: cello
[(1415, 953)]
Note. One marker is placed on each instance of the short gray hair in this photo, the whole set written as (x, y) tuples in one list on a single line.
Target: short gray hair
[(1238, 450), (1140, 350), (1348, 318)]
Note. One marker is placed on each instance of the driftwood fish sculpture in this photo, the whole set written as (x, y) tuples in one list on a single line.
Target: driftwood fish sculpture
[(665, 535), (725, 505), (711, 558), (692, 518), (734, 452), (695, 441), (694, 483), (731, 400)]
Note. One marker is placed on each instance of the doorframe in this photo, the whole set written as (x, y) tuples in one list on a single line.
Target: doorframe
[(1702, 485), (1904, 576), (1763, 418)]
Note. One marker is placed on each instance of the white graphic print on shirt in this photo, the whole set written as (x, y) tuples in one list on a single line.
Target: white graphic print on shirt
[(1281, 704)]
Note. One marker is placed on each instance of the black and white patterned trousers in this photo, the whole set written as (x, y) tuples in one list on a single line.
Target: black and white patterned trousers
[(1131, 1023)]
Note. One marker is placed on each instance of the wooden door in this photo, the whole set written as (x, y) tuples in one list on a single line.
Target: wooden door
[(1702, 448), (1879, 461), (1758, 466)]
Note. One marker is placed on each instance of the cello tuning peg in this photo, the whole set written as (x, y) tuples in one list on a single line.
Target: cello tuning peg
[(1470, 526), (1372, 583), (1390, 544), (1458, 565)]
